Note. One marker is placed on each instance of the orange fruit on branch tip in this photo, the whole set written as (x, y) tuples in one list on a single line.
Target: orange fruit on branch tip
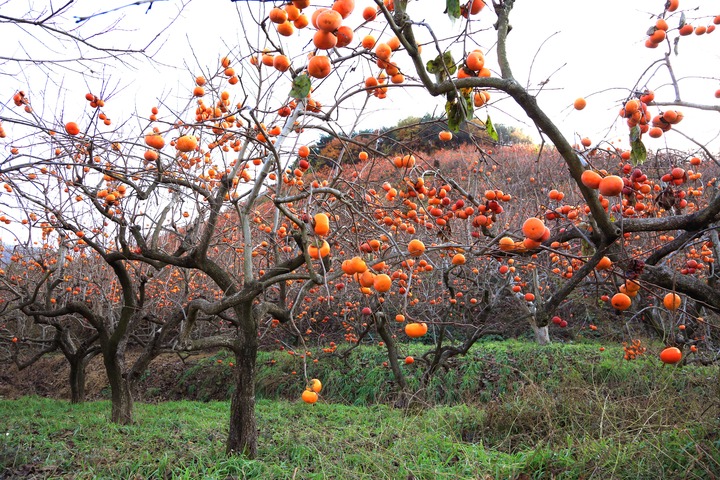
[(416, 330), (506, 244), (354, 265), (324, 40), (286, 29), (319, 66), (72, 128), (533, 228), (365, 279), (369, 14), (671, 355), (591, 179), (344, 36), (580, 103), (281, 63), (278, 15), (344, 7), (416, 247), (308, 396), (611, 186), (632, 106), (476, 6), (154, 141), (382, 282), (632, 286), (655, 132), (292, 12), (475, 61), (315, 385), (186, 143), (672, 301), (322, 224), (620, 301), (458, 259), (604, 264), (383, 51), (316, 252), (328, 20), (151, 155)]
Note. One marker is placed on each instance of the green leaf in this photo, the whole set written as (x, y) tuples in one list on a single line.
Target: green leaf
[(638, 153), (433, 66), (634, 133), (682, 20), (469, 107), (452, 8), (490, 129), (438, 66), (457, 113), (451, 111), (449, 62), (301, 87)]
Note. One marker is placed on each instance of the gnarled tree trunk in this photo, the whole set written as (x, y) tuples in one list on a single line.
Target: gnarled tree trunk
[(242, 438), (120, 392), (78, 362), (77, 380)]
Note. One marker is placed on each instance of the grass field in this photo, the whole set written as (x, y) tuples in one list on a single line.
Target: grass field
[(587, 416)]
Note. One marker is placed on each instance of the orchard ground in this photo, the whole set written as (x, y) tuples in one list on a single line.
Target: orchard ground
[(510, 409)]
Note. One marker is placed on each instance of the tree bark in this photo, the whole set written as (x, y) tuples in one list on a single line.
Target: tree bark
[(542, 335), (77, 380), (121, 394), (242, 437), (78, 362), (402, 400)]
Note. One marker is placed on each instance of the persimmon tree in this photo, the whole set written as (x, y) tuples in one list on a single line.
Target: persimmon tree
[(606, 231), (220, 190), (30, 274)]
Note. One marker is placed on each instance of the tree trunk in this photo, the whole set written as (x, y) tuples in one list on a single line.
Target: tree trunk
[(121, 395), (77, 380), (78, 364), (402, 400), (242, 437), (542, 335)]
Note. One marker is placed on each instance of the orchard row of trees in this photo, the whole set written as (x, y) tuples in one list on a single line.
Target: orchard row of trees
[(201, 229)]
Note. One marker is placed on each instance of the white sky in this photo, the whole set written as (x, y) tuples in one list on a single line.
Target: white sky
[(591, 49)]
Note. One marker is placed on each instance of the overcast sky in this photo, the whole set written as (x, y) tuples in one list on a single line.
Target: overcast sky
[(581, 48)]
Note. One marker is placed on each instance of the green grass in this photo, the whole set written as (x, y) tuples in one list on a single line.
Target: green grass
[(489, 371), (506, 410), (185, 440)]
